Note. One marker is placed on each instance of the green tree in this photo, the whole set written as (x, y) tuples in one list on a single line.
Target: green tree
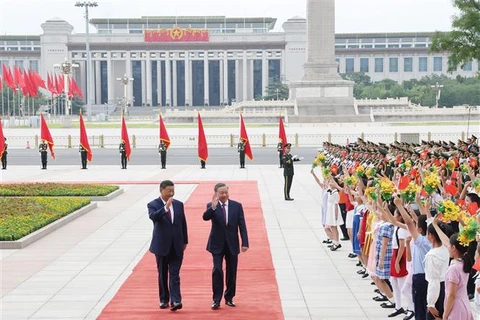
[(463, 42), (357, 77), (276, 90)]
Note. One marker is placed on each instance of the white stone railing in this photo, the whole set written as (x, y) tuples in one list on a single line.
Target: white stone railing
[(426, 110), (383, 102)]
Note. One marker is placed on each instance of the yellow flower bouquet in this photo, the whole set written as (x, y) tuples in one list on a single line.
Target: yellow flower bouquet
[(450, 211), (387, 188), (431, 182), (469, 231), (360, 171), (371, 172), (319, 160), (410, 192), (351, 180), (476, 185), (406, 165), (371, 193), (450, 165), (326, 173)]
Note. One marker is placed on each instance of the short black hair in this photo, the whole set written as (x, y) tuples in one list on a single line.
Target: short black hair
[(219, 185), (166, 183)]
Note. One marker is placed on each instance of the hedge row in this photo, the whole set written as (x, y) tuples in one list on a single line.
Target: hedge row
[(55, 190)]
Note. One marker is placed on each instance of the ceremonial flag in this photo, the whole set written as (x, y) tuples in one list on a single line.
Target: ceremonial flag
[(2, 140), (7, 77), (202, 141), (51, 85), (163, 133), (244, 138), (125, 139), (404, 181), (84, 139), (38, 80), (282, 136), (46, 136)]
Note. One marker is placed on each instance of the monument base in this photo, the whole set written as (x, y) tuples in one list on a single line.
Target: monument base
[(324, 101)]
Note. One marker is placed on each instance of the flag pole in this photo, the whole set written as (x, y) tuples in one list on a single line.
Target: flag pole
[(3, 107)]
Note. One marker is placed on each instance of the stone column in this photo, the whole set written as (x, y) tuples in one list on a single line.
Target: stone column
[(237, 81), (188, 79), (159, 82), (110, 80), (225, 77), (148, 79), (168, 80), (128, 71), (98, 83), (245, 76), (320, 63), (206, 79), (174, 83), (264, 73), (221, 67), (144, 79)]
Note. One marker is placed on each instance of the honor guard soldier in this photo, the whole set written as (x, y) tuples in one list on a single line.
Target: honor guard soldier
[(202, 164), (287, 161), (83, 156), (280, 152), (241, 152), (123, 155), (162, 149), (42, 148), (4, 155)]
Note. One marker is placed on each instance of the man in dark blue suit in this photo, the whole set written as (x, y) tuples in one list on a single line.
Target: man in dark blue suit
[(169, 240), (228, 220)]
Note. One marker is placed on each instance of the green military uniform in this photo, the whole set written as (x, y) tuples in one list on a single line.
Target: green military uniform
[(288, 172), (4, 156), (83, 156), (42, 148), (162, 149), (280, 153), (241, 153), (123, 155)]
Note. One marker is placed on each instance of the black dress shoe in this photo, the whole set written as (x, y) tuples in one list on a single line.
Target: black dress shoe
[(365, 275), (380, 299), (362, 271), (176, 306), (388, 305), (396, 313), (163, 305), (215, 305), (345, 239), (327, 241), (289, 199), (230, 303), (352, 255), (410, 315), (359, 264)]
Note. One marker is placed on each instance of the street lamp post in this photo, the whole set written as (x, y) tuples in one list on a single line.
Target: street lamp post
[(276, 90), (86, 5), (66, 68), (125, 80), (438, 92)]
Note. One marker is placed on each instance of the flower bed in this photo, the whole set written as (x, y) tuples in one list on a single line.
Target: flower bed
[(22, 216), (55, 190)]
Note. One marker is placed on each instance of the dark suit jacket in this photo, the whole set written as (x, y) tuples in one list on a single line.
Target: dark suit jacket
[(166, 234), (221, 233)]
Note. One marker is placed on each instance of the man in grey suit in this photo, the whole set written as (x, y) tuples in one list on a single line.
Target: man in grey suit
[(169, 240), (228, 220)]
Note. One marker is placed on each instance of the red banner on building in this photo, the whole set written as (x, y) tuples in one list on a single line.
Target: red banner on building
[(176, 35)]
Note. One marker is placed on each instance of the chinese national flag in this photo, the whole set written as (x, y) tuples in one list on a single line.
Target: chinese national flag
[(38, 80), (7, 77), (472, 208), (282, 136), (244, 138), (2, 140), (164, 134), (202, 141), (451, 189), (51, 85), (84, 139), (404, 181), (125, 139), (46, 136)]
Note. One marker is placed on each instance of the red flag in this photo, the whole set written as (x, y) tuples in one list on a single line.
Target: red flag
[(125, 139), (84, 139), (282, 136), (7, 77), (164, 134), (404, 181), (472, 208), (46, 136), (51, 85), (1, 84), (451, 189), (244, 138), (202, 141), (2, 140), (76, 89), (18, 77), (59, 84), (38, 80)]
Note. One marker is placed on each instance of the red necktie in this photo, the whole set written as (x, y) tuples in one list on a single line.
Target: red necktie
[(224, 213), (170, 215)]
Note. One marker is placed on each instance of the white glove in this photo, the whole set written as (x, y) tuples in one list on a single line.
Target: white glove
[(295, 157), (301, 158)]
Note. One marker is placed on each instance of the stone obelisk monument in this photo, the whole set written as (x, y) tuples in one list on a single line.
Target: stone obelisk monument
[(322, 95)]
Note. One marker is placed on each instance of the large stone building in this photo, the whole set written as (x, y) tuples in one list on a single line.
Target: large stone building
[(199, 61)]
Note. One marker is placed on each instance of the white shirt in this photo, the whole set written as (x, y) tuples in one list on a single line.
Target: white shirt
[(402, 235), (436, 266), (171, 209)]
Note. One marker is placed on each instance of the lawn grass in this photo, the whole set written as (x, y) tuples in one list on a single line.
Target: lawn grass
[(55, 190)]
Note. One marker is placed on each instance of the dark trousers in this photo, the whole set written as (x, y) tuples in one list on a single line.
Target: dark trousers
[(280, 154), (123, 159), (440, 301), (242, 159), (287, 186), (163, 159), (202, 164), (169, 265), (4, 161), (419, 294), (43, 156), (231, 262), (83, 156), (343, 227)]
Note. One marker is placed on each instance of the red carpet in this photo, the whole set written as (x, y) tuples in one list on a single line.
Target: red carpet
[(257, 292)]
